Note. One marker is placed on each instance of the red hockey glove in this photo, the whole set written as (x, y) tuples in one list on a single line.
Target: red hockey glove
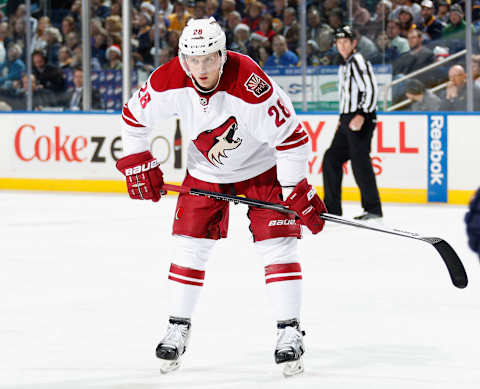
[(144, 177), (305, 201)]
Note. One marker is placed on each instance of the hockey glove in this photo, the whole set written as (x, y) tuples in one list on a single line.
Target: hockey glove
[(472, 219), (305, 202), (144, 177)]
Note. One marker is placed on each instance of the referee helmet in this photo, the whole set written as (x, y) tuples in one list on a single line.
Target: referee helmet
[(344, 32)]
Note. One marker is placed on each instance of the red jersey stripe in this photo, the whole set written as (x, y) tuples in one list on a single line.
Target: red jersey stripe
[(130, 123), (293, 145), (283, 268), (185, 281), (187, 272), (286, 278), (126, 111)]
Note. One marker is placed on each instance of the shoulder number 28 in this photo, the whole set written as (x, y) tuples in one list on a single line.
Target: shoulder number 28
[(144, 96), (279, 112)]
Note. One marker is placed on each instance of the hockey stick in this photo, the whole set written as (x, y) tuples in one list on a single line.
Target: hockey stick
[(452, 261)]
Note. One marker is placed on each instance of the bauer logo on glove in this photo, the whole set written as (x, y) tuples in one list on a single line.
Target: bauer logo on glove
[(143, 175), (141, 168)]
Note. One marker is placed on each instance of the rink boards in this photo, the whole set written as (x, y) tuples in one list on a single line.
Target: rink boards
[(417, 158)]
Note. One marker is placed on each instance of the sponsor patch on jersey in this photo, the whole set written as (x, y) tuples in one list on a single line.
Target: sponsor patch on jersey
[(213, 143), (257, 85)]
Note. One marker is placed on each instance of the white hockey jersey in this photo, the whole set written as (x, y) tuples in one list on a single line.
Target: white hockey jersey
[(241, 129)]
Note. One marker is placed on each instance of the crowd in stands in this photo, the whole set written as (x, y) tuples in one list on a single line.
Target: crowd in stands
[(404, 33)]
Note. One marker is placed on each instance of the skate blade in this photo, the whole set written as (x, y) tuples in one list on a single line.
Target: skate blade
[(293, 368), (169, 366)]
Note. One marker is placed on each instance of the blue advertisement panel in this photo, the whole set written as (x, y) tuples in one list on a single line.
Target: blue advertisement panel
[(437, 158)]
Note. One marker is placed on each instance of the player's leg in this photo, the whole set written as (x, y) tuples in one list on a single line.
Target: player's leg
[(333, 160), (275, 236), (360, 145), (283, 278), (199, 222)]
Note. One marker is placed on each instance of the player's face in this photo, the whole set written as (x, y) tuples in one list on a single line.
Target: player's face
[(205, 69), (345, 47)]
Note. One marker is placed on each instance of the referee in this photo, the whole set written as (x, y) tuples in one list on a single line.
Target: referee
[(353, 137)]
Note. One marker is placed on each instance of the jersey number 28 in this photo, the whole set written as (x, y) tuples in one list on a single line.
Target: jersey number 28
[(280, 113), (144, 96)]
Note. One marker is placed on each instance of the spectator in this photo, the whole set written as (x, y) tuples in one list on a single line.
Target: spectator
[(165, 7), (47, 75), (364, 45), (313, 58), (379, 20), (430, 26), (212, 9), (417, 58), (315, 28), (68, 25), (99, 46), (361, 16), (99, 9), (476, 69), (233, 20), (116, 7), (72, 100), (327, 51), (38, 39), (405, 16), (241, 38), (3, 41), (277, 9), (64, 58), (443, 12), (226, 6), (254, 12), (265, 27), (393, 33), (114, 57), (336, 18), (12, 69), (17, 97), (200, 10), (148, 8), (172, 40), (178, 19), (453, 34), (414, 8), (422, 99), (113, 24), (53, 39), (72, 40), (257, 42), (455, 98), (291, 29), (281, 55), (142, 37), (386, 53)]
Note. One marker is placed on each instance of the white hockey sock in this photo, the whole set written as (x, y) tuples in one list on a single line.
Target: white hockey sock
[(283, 276), (284, 287), (185, 285), (187, 274)]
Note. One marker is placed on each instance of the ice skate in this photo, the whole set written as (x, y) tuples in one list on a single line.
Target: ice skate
[(368, 216), (290, 348), (174, 344)]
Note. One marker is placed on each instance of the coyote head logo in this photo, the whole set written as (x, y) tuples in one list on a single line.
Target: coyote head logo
[(213, 143)]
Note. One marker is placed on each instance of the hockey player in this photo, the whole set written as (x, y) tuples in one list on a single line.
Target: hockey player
[(244, 138)]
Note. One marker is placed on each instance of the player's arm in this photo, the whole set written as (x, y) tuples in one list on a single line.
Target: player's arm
[(286, 133), (141, 170)]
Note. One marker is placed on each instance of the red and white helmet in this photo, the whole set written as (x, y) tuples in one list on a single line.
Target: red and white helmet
[(201, 37)]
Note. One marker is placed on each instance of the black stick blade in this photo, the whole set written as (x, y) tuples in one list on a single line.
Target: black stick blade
[(452, 261)]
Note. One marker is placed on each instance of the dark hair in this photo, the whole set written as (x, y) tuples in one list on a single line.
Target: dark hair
[(414, 87)]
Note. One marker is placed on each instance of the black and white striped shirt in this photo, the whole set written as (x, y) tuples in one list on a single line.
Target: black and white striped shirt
[(358, 86)]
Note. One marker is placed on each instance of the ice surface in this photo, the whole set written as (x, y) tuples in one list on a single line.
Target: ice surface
[(83, 301)]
